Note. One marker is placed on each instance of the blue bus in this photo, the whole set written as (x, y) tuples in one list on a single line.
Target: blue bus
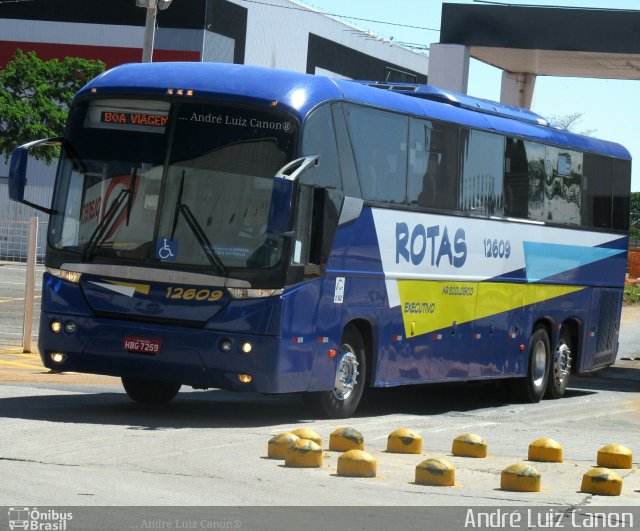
[(227, 226)]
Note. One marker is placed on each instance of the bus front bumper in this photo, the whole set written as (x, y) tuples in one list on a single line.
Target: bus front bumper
[(197, 357)]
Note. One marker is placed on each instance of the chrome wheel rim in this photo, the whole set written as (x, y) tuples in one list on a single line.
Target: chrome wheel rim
[(539, 363), (562, 365), (346, 374)]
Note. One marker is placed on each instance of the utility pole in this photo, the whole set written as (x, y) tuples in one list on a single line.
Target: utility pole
[(152, 7)]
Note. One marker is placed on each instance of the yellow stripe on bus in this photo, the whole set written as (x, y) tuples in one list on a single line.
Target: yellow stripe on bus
[(428, 306)]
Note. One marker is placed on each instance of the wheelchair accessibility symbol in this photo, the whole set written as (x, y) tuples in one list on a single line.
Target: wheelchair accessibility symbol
[(166, 249)]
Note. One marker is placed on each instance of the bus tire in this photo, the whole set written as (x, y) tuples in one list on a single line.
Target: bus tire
[(532, 387), (560, 371), (351, 369), (150, 391)]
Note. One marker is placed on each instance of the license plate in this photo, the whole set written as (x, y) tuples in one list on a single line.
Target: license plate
[(142, 345)]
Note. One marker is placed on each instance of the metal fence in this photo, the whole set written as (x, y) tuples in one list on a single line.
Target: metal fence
[(14, 240), (14, 249)]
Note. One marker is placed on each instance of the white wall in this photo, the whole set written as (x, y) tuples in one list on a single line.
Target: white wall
[(278, 38)]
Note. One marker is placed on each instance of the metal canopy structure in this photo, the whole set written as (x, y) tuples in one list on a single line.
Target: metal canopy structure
[(547, 41)]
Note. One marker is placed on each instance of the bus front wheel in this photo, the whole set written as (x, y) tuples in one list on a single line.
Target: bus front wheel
[(150, 391), (343, 399), (532, 387)]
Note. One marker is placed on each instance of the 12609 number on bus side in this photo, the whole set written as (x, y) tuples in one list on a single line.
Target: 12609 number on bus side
[(497, 248)]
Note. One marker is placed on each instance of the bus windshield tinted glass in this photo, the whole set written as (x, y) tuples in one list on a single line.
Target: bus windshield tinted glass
[(140, 180)]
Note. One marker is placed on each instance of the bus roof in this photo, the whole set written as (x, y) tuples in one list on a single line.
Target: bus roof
[(300, 93)]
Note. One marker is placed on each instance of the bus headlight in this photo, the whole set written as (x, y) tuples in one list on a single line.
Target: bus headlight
[(246, 347), (250, 293), (55, 326), (57, 357), (71, 276), (70, 327)]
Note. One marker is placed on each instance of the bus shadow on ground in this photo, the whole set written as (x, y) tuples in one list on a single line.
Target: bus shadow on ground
[(443, 398), (225, 409), (623, 377)]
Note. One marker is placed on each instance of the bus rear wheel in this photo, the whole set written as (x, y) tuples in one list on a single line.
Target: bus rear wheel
[(342, 401), (561, 366), (532, 387), (150, 391)]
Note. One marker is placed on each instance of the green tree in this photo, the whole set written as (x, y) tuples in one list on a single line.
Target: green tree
[(569, 122), (635, 209), (35, 97)]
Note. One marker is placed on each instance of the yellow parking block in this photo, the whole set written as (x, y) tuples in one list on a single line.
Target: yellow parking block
[(601, 481), (520, 478), (278, 445), (437, 472), (309, 435), (469, 445), (357, 464), (615, 456), (345, 439), (404, 441), (546, 450), (303, 454)]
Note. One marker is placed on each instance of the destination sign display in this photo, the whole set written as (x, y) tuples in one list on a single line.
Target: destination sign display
[(133, 118), (144, 116)]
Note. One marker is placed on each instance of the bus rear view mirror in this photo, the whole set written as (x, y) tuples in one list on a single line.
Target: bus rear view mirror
[(18, 173), (18, 170), (285, 185)]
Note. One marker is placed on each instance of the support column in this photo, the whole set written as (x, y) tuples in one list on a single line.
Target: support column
[(449, 66), (517, 89)]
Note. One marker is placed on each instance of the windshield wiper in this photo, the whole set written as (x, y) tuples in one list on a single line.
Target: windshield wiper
[(105, 224), (197, 231), (200, 235)]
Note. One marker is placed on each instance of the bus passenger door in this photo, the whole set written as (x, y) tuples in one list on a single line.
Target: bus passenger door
[(497, 329)]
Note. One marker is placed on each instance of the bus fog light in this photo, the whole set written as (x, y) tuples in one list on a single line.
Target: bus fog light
[(245, 378), (57, 357), (225, 345), (246, 347), (70, 327), (55, 326)]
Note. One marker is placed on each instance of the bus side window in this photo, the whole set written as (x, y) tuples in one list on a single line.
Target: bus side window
[(621, 198), (379, 139), (536, 156), (597, 185), (482, 175), (433, 164), (350, 183), (563, 186), (516, 179), (319, 138)]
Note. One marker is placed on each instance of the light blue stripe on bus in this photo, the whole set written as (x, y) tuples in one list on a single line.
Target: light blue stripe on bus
[(545, 260)]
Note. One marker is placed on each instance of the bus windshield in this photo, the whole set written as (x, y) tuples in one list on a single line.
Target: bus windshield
[(186, 184)]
